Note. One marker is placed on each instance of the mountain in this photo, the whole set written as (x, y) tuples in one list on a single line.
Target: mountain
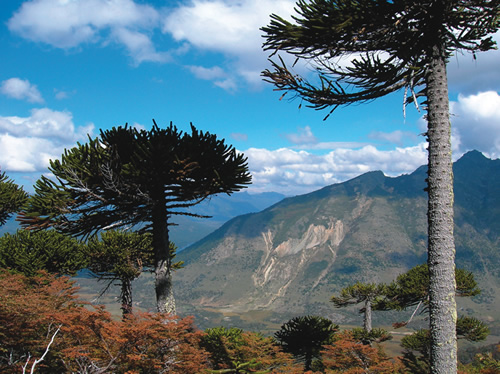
[(290, 258), (220, 208)]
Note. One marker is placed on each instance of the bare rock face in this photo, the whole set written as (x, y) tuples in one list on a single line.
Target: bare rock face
[(283, 263), (292, 257)]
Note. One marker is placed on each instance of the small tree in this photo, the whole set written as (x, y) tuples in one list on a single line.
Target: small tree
[(12, 198), (130, 177), (416, 354), (121, 256), (412, 289), (305, 336), (366, 293), (393, 45), (29, 252)]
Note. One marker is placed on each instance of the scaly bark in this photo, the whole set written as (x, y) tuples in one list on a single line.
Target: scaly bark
[(367, 323), (441, 247), (165, 301)]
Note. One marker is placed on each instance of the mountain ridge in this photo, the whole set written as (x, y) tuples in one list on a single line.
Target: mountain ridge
[(295, 254)]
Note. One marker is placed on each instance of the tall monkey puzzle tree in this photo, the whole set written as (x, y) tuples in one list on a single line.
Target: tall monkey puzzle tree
[(394, 44), (128, 177)]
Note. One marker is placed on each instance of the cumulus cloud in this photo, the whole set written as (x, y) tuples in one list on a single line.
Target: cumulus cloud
[(28, 143), (227, 27), (476, 123), (68, 24), (293, 172), (21, 89), (469, 74)]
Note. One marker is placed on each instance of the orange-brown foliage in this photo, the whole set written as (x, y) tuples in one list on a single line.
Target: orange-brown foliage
[(348, 356), (89, 340)]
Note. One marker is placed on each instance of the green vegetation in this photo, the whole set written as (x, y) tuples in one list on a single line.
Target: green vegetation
[(393, 45), (121, 256), (12, 198), (366, 293), (304, 337), (29, 252), (129, 177)]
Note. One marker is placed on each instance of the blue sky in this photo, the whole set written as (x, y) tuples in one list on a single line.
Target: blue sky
[(71, 67)]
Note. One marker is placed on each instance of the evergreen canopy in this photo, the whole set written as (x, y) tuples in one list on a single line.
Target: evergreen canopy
[(136, 178), (391, 44), (12, 198), (118, 179)]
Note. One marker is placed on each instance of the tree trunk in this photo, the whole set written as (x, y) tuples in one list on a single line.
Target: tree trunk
[(441, 246), (126, 296), (367, 323), (165, 301)]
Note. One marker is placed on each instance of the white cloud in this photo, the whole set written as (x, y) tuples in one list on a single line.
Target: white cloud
[(476, 123), (471, 75), (207, 73), (228, 27), (70, 23), (224, 26), (21, 89), (293, 172), (27, 143), (139, 46), (303, 136)]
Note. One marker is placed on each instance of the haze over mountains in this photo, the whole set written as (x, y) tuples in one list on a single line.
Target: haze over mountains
[(290, 258)]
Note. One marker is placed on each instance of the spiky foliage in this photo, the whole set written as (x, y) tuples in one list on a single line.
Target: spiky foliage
[(12, 198), (121, 256), (304, 336), (129, 177), (416, 354), (472, 329), (412, 289), (376, 335), (29, 252), (393, 45), (366, 293)]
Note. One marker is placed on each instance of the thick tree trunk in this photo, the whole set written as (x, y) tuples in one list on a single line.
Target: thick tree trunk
[(165, 301), (441, 246), (367, 323), (126, 296)]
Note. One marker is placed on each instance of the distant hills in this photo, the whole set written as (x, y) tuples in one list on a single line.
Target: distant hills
[(290, 258), (221, 208)]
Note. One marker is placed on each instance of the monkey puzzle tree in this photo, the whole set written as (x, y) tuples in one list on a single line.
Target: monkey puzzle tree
[(366, 293), (29, 252), (121, 256), (412, 289), (12, 198), (305, 336), (393, 45), (128, 177)]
